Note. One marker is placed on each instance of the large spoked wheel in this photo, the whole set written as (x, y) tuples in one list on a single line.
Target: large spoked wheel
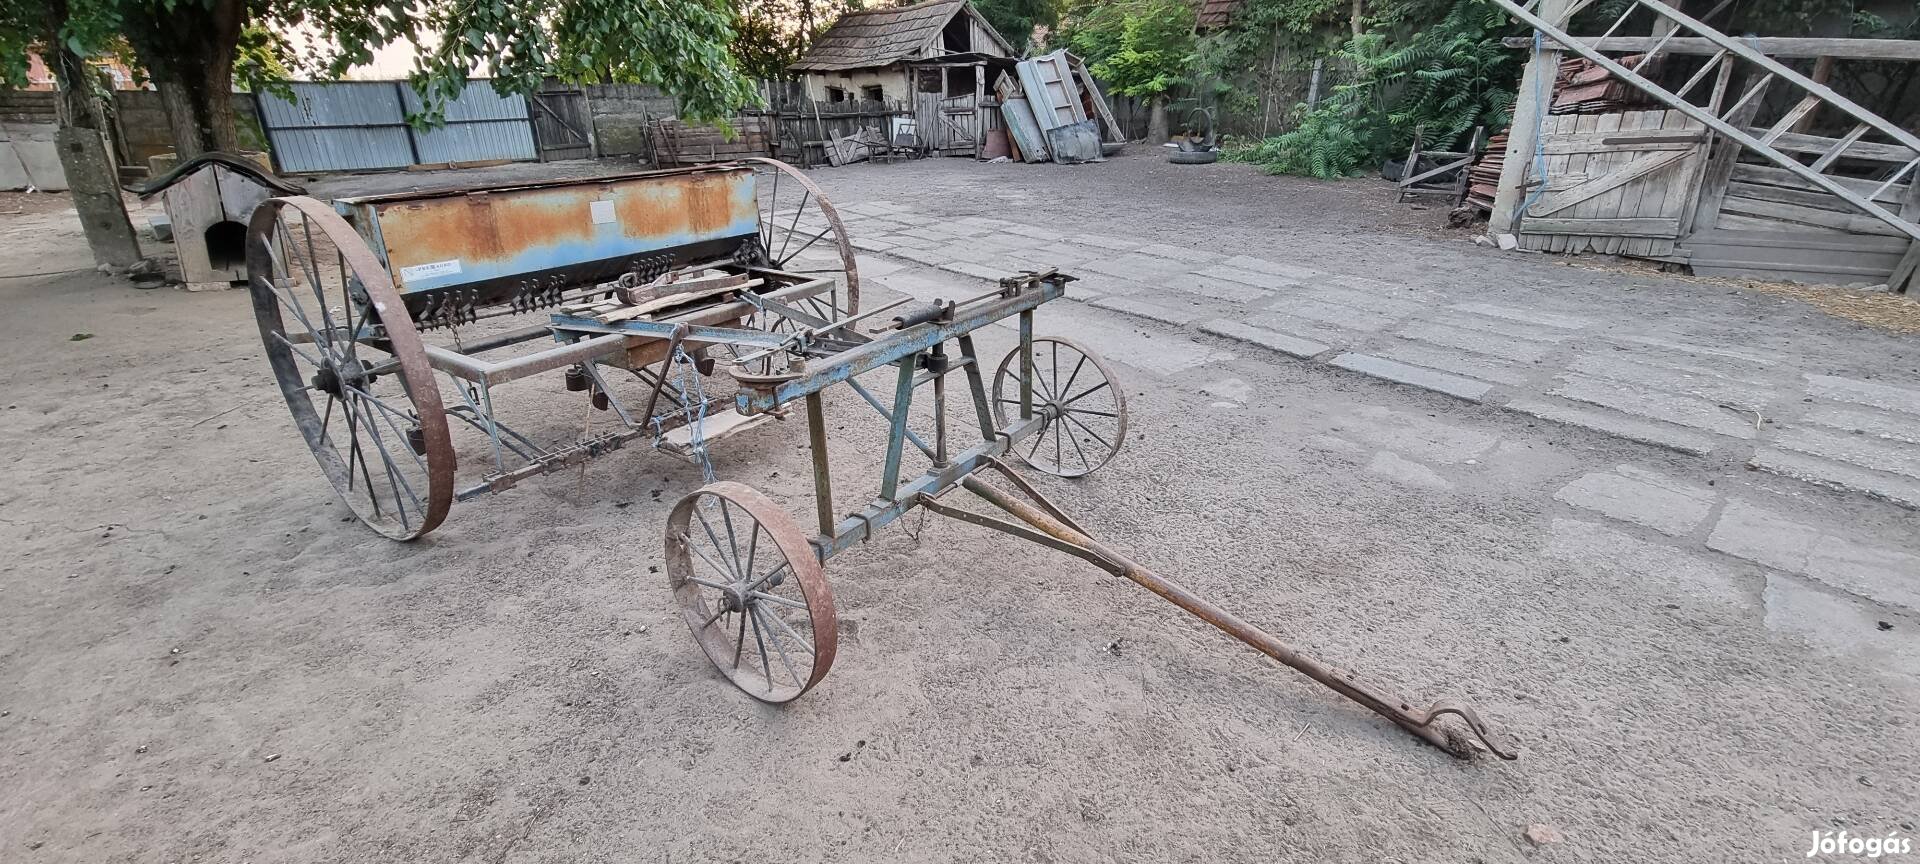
[(351, 366), (801, 232), (748, 584), (1079, 400)]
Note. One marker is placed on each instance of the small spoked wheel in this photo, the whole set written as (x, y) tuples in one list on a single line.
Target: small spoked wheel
[(1080, 403), (351, 366), (801, 233), (750, 588)]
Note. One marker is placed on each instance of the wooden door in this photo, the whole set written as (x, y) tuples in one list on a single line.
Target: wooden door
[(1050, 90), (1623, 184), (562, 125)]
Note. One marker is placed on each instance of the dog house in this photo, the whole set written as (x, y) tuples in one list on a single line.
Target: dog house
[(209, 199)]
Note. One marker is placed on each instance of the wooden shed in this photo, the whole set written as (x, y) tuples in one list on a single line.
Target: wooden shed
[(1691, 147), (935, 59)]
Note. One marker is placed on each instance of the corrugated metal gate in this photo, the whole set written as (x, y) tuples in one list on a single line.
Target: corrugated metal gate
[(362, 125)]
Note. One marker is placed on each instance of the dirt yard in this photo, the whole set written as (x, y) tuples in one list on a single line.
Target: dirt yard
[(204, 658)]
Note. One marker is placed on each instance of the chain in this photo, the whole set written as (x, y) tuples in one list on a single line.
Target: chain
[(696, 417)]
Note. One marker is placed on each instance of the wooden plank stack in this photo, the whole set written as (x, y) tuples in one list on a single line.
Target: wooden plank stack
[(1483, 178), (668, 292), (677, 143), (1584, 87)]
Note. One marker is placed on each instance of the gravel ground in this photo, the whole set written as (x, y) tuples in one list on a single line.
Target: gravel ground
[(203, 659)]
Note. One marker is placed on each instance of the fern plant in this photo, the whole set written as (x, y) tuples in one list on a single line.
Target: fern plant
[(1445, 79)]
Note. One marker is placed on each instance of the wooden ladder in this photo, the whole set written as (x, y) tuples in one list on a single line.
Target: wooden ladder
[(1736, 121)]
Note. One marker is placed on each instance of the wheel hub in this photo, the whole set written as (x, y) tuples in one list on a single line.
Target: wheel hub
[(329, 378)]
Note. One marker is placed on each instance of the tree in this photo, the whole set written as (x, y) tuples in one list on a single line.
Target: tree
[(67, 35), (771, 34), (189, 48), (1015, 19), (1141, 48)]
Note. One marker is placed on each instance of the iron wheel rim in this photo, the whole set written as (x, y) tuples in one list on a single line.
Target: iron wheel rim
[(407, 428)]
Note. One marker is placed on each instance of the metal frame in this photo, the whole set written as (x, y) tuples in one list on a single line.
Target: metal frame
[(818, 349)]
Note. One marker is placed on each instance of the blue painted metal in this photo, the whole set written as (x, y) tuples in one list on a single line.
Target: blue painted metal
[(832, 370), (883, 511), (897, 429), (505, 234), (565, 325)]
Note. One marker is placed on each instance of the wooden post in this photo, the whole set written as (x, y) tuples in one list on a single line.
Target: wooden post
[(1904, 273), (1723, 154), (1536, 94), (1822, 73), (979, 112)]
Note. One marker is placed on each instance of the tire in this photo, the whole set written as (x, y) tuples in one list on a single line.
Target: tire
[(1192, 157)]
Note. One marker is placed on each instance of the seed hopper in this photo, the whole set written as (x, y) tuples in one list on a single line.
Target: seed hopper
[(682, 307)]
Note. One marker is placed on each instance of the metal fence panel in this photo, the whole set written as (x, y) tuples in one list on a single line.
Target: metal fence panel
[(362, 125), (337, 126), (481, 124)]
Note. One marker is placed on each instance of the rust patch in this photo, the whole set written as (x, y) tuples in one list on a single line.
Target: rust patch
[(711, 201), (485, 227), (652, 209)]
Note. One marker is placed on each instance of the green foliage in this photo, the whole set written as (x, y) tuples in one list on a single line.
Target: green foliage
[(1138, 47), (88, 28), (680, 45), (1014, 20), (1445, 78), (260, 61)]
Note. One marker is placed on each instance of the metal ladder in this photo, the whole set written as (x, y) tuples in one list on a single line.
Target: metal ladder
[(1733, 121)]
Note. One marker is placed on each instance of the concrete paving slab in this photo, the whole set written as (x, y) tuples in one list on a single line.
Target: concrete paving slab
[(1177, 316), (1257, 279), (1303, 328), (978, 271), (1836, 475), (1217, 289), (1617, 425), (1501, 328), (1641, 497), (1893, 457), (1660, 573), (1841, 626), (1146, 347), (1870, 393), (1295, 346), (929, 257), (1885, 425), (1398, 304), (1343, 317), (1103, 241), (1274, 268), (1448, 360), (1420, 436), (874, 265), (1518, 350), (1655, 405), (1425, 379), (1525, 316), (1624, 368), (1393, 466), (1763, 536), (1184, 254)]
